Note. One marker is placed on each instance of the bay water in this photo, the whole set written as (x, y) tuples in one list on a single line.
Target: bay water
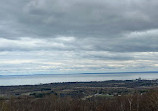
[(7, 80)]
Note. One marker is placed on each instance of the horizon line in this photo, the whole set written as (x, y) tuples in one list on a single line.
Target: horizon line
[(81, 73)]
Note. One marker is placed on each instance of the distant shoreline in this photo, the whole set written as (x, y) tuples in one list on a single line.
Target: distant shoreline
[(82, 82), (10, 80), (80, 73)]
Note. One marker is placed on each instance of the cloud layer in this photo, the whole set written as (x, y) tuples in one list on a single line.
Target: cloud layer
[(45, 36)]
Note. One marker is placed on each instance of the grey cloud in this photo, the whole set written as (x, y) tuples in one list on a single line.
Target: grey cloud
[(103, 55), (47, 18), (143, 41), (91, 34), (136, 42), (115, 57)]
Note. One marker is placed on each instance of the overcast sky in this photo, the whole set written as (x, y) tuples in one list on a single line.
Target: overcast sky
[(78, 36)]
